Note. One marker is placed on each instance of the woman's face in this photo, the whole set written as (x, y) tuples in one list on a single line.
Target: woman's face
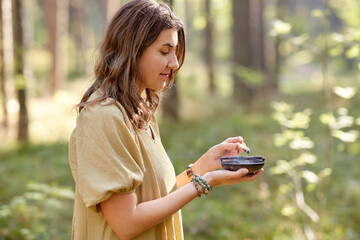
[(157, 61)]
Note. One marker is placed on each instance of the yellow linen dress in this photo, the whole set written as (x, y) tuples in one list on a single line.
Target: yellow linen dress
[(107, 156)]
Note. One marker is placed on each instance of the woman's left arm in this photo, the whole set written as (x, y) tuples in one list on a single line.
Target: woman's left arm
[(211, 159)]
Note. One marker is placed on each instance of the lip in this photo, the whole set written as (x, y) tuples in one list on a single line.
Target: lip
[(165, 75)]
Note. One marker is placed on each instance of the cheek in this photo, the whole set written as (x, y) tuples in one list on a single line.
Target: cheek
[(151, 66), (156, 66)]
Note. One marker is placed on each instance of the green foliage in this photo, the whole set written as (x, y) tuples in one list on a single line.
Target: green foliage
[(298, 166), (263, 209), (341, 125), (249, 76), (30, 207), (296, 143), (36, 214), (303, 163)]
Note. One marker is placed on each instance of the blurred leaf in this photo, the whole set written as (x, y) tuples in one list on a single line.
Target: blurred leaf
[(336, 51), (349, 136), (25, 231), (199, 22), (249, 76), (281, 167), (41, 187), (300, 41), (343, 111), (304, 158), (301, 143), (310, 176), (280, 139), (310, 187), (353, 34), (284, 116), (345, 92), (285, 188), (353, 51), (282, 107), (5, 211), (317, 13), (18, 201), (288, 210), (357, 121), (279, 27), (327, 118), (34, 196), (52, 191), (337, 37), (301, 119), (344, 121), (53, 203), (325, 172), (283, 138)]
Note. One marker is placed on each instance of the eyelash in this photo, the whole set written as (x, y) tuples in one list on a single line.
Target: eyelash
[(164, 53)]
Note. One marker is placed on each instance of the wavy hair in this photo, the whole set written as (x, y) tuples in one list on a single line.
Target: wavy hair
[(134, 27)]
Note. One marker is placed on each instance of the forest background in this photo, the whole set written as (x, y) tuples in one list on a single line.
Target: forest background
[(284, 74)]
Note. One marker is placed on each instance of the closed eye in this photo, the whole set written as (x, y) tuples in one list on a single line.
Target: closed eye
[(164, 53)]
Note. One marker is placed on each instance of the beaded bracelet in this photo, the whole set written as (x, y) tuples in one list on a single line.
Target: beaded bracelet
[(199, 179), (189, 172), (197, 187)]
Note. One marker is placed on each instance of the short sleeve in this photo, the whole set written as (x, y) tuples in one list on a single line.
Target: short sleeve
[(108, 158)]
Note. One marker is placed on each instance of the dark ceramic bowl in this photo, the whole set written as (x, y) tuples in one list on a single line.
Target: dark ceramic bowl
[(253, 163)]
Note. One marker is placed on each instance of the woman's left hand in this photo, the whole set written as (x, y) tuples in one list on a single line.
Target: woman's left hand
[(211, 159)]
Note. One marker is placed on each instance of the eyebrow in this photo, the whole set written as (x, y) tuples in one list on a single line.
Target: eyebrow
[(168, 44)]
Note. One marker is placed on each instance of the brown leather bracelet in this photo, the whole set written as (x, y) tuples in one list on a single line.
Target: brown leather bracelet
[(189, 172)]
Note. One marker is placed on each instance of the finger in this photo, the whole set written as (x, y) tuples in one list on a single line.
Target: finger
[(230, 146), (244, 147), (241, 172), (255, 175), (239, 147), (235, 175), (259, 172), (238, 139)]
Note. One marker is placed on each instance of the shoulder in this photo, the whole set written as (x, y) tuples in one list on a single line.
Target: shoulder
[(106, 112)]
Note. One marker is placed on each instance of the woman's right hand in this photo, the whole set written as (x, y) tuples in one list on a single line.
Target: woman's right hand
[(226, 177), (211, 159)]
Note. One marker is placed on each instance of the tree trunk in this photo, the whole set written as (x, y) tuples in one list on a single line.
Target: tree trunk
[(103, 9), (209, 55), (258, 49), (188, 21), (257, 35), (241, 49), (280, 12), (4, 121), (57, 22), (170, 103), (20, 81), (79, 28)]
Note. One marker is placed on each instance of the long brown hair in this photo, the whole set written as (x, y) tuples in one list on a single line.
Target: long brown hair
[(134, 27)]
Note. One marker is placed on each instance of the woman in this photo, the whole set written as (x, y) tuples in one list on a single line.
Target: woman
[(126, 186)]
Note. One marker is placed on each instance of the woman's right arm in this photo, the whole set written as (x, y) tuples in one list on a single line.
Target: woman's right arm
[(128, 218)]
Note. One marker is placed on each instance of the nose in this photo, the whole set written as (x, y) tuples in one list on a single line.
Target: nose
[(173, 62)]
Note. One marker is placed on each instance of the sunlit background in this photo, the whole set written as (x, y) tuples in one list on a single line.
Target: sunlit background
[(284, 74)]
